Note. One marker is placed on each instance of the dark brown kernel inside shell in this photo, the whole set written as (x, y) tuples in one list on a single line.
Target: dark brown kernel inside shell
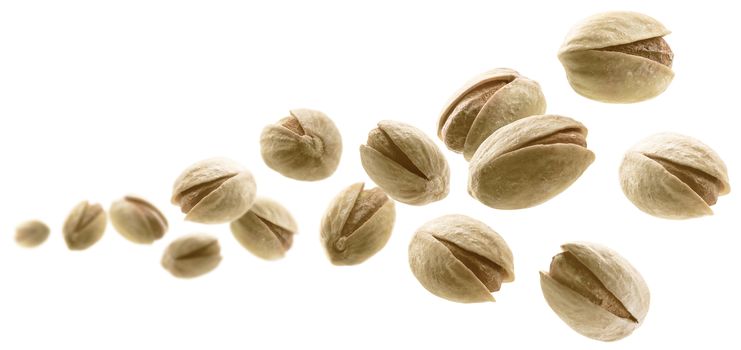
[(655, 49), (489, 273), (292, 123)]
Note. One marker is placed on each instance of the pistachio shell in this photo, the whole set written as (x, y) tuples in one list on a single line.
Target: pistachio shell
[(84, 226), (192, 256), (311, 154), (31, 233), (138, 220), (255, 230)]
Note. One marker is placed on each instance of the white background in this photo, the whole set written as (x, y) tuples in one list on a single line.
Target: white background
[(99, 99)]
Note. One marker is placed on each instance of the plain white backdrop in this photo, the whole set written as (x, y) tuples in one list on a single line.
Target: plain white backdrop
[(99, 99)]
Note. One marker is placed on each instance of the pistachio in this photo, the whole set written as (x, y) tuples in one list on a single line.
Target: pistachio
[(595, 291), (673, 176), (84, 226), (357, 224), (31, 233), (214, 191), (528, 162), (138, 220), (304, 146), (618, 57), (192, 256), (266, 230), (485, 104), (460, 259), (405, 163)]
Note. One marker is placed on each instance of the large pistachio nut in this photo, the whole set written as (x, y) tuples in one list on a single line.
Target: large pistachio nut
[(618, 57), (595, 291), (405, 163), (460, 259), (266, 230), (485, 104), (31, 234), (84, 226), (673, 176), (529, 161), (304, 146), (192, 255), (357, 224), (137, 220), (214, 191)]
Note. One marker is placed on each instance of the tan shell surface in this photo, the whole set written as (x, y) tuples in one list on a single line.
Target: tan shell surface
[(226, 203), (611, 29), (137, 220), (202, 172), (254, 235), (31, 233), (192, 255), (81, 230)]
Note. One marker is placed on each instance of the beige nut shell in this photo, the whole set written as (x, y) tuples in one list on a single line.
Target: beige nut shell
[(609, 76), (503, 175), (520, 98), (618, 276), (655, 190), (137, 220), (81, 230), (192, 255), (254, 235), (309, 157), (441, 273)]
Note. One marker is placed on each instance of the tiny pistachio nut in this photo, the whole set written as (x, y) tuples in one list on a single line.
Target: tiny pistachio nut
[(529, 161), (405, 163), (595, 291), (673, 176), (31, 233), (137, 220), (460, 259), (214, 191), (266, 230), (304, 146), (486, 103), (84, 226), (618, 57), (192, 255), (357, 224)]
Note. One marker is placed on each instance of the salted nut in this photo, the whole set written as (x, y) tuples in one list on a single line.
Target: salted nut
[(192, 256), (485, 104), (31, 234), (673, 176), (595, 291), (266, 230), (138, 220), (84, 226)]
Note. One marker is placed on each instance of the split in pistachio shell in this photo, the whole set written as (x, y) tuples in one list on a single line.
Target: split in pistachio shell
[(460, 259), (595, 291), (266, 230), (304, 146), (84, 226), (618, 57), (673, 176), (485, 104), (138, 220), (192, 256), (357, 224), (529, 161), (405, 163), (214, 191), (31, 234)]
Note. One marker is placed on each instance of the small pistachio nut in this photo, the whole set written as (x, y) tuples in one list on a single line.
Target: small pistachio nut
[(304, 146), (673, 176), (84, 226), (485, 104), (266, 230), (618, 57), (214, 191), (137, 220), (460, 259), (595, 291), (31, 234), (528, 162), (405, 163), (192, 255), (357, 224)]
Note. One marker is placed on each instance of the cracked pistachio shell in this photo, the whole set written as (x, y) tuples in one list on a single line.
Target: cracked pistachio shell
[(673, 176), (266, 230), (31, 233), (440, 270), (137, 220), (84, 226), (486, 103), (616, 275), (214, 191), (528, 162), (608, 57), (192, 255), (405, 163), (357, 224), (304, 146)]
